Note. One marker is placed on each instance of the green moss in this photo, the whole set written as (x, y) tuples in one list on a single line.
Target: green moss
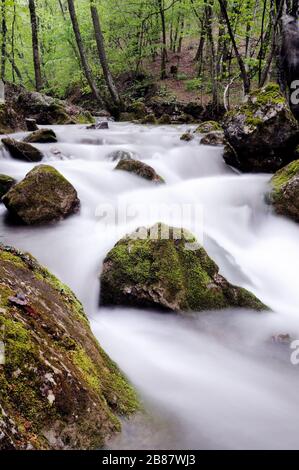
[(208, 126), (282, 176), (87, 369), (270, 94), (84, 118), (166, 273), (149, 119)]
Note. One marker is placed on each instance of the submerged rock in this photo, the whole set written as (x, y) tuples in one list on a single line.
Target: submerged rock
[(187, 136), (99, 126), (121, 155), (208, 126), (173, 274), (284, 195), (59, 390), (139, 169), (41, 136), (263, 132), (6, 182), (22, 150), (43, 196), (215, 138)]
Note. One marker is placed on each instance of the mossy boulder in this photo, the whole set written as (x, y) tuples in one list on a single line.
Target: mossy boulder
[(187, 136), (6, 182), (41, 136), (59, 390), (138, 109), (43, 196), (263, 132), (164, 119), (127, 117), (149, 119), (208, 126), (215, 138), (165, 269), (9, 121), (139, 169), (22, 150), (284, 195), (48, 110)]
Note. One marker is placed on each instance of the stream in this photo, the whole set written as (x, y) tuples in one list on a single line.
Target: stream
[(212, 380)]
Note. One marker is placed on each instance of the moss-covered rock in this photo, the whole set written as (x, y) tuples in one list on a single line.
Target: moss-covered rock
[(9, 121), (43, 196), (138, 109), (284, 195), (139, 169), (47, 110), (6, 182), (187, 136), (59, 390), (22, 150), (208, 126), (167, 272), (149, 119), (127, 117), (164, 119), (41, 136), (214, 138), (263, 132)]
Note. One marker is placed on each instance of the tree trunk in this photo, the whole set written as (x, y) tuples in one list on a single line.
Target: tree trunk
[(35, 46), (102, 55), (83, 58), (164, 40), (4, 31), (244, 74)]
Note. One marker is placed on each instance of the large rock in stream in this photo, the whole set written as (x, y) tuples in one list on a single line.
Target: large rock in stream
[(262, 134), (22, 150), (59, 390), (169, 272), (284, 195), (43, 196), (41, 136), (6, 182)]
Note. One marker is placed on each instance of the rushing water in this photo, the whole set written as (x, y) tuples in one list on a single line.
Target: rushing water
[(209, 380)]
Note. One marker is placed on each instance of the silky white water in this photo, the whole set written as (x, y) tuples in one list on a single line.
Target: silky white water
[(209, 380)]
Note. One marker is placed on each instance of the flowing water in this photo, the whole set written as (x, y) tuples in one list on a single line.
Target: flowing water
[(209, 380)]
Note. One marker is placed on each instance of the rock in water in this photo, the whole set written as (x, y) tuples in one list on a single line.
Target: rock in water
[(6, 182), (214, 138), (31, 125), (263, 132), (139, 169), (22, 150), (41, 136), (59, 390), (121, 155), (285, 191), (43, 196), (174, 274), (99, 125)]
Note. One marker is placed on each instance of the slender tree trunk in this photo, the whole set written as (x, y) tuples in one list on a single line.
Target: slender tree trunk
[(35, 46), (13, 27), (83, 58), (3, 46), (102, 55), (244, 74), (164, 40)]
